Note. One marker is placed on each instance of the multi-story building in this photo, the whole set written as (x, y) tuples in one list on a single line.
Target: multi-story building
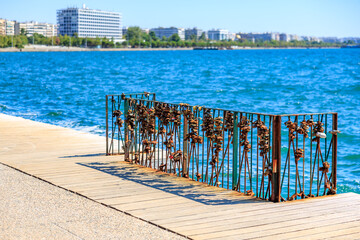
[(268, 36), (7, 27), (10, 28), (89, 23), (168, 32), (232, 36), (194, 32), (218, 34), (310, 39), (354, 39), (330, 39), (294, 37), (284, 37), (2, 27), (45, 29)]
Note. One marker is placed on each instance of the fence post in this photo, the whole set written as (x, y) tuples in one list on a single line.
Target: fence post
[(126, 137), (107, 125), (334, 151), (235, 152), (185, 150), (276, 160)]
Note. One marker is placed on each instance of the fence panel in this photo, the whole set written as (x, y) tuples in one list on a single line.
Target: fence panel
[(273, 157)]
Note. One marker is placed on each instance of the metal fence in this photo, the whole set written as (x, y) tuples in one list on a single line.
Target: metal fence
[(273, 157)]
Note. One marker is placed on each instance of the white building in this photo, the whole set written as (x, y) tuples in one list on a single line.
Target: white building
[(168, 32), (10, 28), (45, 29), (218, 34), (232, 36), (294, 37), (89, 23)]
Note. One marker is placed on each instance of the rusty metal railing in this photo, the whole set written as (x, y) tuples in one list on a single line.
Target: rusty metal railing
[(273, 157)]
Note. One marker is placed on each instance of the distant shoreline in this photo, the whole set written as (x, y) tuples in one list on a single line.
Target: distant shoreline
[(78, 49)]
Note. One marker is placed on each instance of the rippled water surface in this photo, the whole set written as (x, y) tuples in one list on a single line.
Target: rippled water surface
[(69, 89)]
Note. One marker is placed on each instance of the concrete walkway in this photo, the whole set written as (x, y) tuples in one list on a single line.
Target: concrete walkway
[(33, 209)]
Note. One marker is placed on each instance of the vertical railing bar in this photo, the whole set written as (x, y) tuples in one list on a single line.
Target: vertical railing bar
[(240, 156), (297, 166), (198, 113), (304, 155), (185, 148), (258, 191), (112, 125), (251, 166), (126, 148), (334, 152), (251, 149), (203, 149), (270, 151), (289, 161), (276, 160), (107, 124), (318, 163), (235, 151), (264, 162), (326, 134), (223, 151), (311, 170), (118, 127)]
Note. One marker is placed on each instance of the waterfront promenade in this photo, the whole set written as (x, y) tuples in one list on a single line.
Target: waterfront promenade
[(43, 48), (75, 161)]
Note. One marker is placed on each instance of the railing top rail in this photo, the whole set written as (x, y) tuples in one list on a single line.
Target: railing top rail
[(188, 105), (129, 94), (303, 114), (220, 109)]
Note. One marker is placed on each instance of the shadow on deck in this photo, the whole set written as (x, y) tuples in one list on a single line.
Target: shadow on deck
[(189, 189)]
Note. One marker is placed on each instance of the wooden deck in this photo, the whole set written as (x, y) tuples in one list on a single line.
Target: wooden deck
[(75, 161)]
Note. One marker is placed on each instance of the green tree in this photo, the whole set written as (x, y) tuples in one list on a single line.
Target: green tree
[(193, 37), (133, 33), (202, 37), (175, 37), (153, 36)]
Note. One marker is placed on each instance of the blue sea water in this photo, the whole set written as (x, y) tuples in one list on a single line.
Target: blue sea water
[(68, 89)]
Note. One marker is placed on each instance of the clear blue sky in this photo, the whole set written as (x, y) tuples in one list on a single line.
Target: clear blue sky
[(339, 18)]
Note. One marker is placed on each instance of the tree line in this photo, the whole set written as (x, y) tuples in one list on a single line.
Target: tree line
[(137, 38)]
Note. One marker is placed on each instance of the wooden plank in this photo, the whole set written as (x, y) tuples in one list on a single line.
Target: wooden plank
[(254, 208), (137, 198), (255, 221), (329, 231), (280, 227), (350, 236), (168, 210), (337, 230), (268, 214), (143, 204), (143, 195)]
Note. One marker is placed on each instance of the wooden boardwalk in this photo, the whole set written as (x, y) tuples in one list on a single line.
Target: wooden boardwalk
[(75, 161)]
